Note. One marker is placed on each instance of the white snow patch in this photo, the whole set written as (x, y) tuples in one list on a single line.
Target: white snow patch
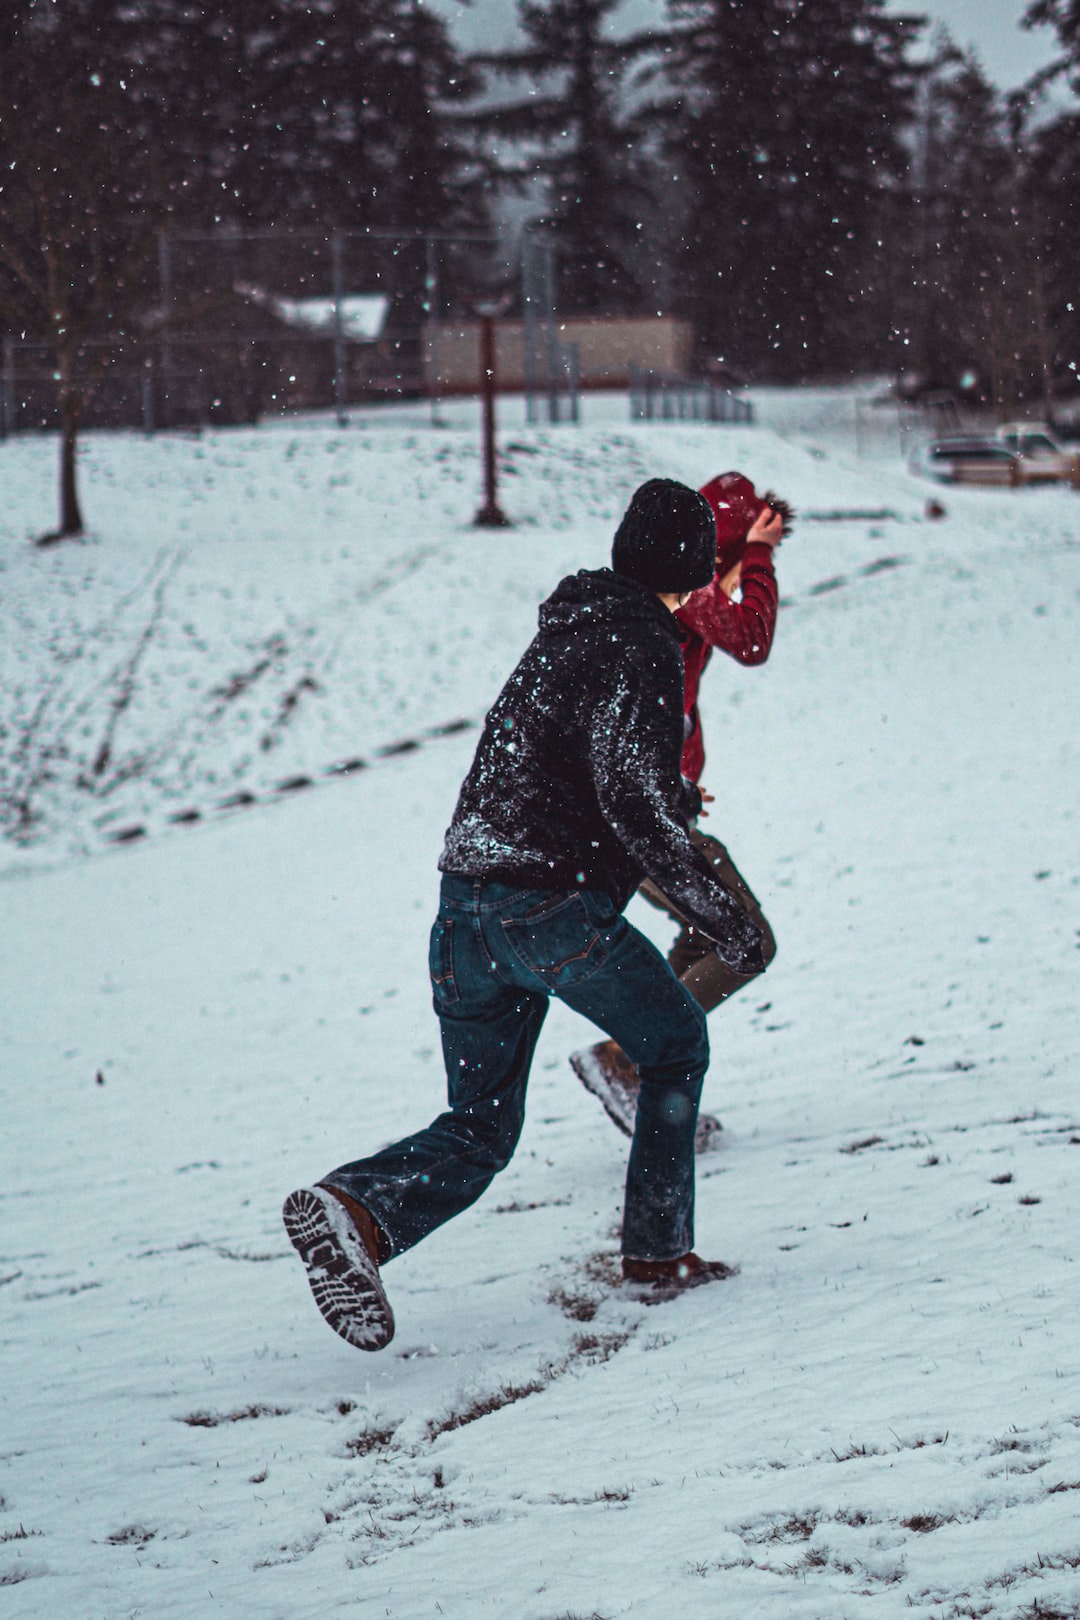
[(881, 1414)]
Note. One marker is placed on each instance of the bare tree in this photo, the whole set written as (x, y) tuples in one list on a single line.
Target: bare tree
[(79, 211)]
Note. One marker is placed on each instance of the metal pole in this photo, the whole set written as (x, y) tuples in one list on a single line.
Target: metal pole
[(490, 515), (340, 359), (551, 334), (530, 303), (148, 397), (7, 390), (165, 279), (573, 372), (431, 290)]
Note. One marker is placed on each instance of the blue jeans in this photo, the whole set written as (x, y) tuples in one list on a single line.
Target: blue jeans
[(498, 954)]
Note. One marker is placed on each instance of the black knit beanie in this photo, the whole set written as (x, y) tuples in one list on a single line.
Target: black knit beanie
[(667, 538)]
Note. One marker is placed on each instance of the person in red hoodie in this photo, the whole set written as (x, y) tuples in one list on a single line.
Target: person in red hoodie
[(749, 527)]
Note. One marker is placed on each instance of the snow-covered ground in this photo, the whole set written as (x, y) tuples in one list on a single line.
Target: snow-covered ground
[(881, 1415)]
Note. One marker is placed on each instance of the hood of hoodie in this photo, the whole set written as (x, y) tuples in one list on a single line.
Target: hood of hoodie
[(598, 598)]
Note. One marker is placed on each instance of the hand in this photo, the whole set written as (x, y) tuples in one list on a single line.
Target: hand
[(706, 798), (768, 528)]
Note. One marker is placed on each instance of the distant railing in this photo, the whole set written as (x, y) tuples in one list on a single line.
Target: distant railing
[(552, 368), (658, 396), (210, 379)]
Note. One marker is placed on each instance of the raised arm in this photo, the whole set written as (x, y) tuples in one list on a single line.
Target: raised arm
[(744, 630), (643, 797)]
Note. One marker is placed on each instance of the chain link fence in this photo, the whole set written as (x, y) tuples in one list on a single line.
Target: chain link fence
[(242, 324)]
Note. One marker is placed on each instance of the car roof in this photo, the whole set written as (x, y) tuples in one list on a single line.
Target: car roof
[(959, 445)]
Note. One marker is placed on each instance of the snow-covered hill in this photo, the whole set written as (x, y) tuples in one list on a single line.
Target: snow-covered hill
[(881, 1414)]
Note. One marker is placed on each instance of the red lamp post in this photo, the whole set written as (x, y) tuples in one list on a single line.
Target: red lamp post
[(491, 514)]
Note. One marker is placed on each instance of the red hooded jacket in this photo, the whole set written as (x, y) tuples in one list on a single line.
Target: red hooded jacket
[(742, 629)]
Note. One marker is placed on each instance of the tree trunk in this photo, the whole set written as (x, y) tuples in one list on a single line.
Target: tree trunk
[(1044, 345), (71, 400), (71, 403), (71, 523)]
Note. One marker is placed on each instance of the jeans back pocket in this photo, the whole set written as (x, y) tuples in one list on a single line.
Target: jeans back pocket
[(557, 941)]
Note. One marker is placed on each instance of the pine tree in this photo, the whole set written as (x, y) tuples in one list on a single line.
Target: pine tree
[(980, 261), (971, 317), (330, 116), (573, 135), (278, 107), (288, 112), (1054, 161), (436, 183), (1064, 17), (785, 122)]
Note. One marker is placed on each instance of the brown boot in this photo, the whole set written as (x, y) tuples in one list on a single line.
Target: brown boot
[(338, 1241), (374, 1241), (608, 1073), (657, 1280)]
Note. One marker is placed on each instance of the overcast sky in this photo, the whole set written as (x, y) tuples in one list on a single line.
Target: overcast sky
[(1009, 54)]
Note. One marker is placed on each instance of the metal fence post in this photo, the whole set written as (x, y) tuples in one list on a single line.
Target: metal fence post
[(165, 279), (7, 390), (337, 260), (532, 298), (147, 385), (573, 379), (491, 514), (431, 295)]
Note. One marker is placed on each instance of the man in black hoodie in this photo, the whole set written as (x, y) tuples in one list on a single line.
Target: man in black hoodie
[(574, 795)]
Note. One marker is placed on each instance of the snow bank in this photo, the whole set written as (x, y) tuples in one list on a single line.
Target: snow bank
[(881, 1415)]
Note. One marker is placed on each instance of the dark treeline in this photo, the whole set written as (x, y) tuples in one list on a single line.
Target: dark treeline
[(795, 178), (813, 187)]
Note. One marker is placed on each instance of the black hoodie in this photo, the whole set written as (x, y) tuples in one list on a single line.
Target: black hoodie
[(576, 781)]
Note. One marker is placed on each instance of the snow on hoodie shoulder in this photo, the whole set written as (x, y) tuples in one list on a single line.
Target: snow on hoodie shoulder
[(576, 781)]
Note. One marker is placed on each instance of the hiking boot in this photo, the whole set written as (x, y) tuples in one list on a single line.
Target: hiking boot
[(707, 1133), (338, 1241), (656, 1280), (608, 1073)]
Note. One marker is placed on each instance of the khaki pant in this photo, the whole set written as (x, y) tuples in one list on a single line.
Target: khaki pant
[(692, 958)]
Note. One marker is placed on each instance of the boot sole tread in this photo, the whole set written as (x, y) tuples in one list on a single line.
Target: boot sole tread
[(346, 1286)]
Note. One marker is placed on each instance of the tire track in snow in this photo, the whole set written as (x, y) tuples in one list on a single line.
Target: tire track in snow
[(193, 815), (247, 799), (138, 831)]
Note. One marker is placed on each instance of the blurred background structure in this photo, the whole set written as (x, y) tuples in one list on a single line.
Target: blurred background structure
[(211, 214)]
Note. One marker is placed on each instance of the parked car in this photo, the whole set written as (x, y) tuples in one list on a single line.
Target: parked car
[(1042, 458), (965, 459), (1016, 453)]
